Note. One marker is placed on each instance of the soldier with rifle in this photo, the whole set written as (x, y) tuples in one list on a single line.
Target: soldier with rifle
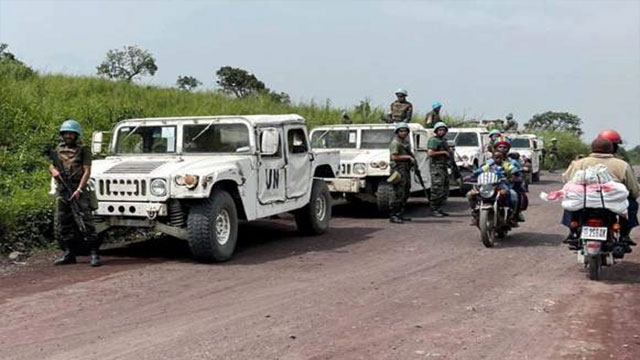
[(71, 169), (441, 159)]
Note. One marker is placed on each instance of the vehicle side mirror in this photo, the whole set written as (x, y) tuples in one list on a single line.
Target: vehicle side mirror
[(269, 142), (100, 142)]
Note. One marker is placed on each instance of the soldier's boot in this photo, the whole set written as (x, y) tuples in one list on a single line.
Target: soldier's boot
[(437, 213), (67, 258), (396, 220), (95, 258)]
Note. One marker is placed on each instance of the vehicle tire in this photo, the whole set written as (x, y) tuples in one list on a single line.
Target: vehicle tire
[(213, 228), (383, 198), (314, 218), (487, 231), (595, 266), (535, 177)]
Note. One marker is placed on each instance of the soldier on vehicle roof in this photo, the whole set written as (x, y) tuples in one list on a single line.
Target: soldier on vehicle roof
[(401, 110), (433, 116), (72, 170)]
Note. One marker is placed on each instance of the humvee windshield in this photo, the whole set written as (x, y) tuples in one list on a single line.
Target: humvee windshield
[(522, 143), (146, 140), (467, 139), (334, 139), (450, 135), (216, 138), (376, 139)]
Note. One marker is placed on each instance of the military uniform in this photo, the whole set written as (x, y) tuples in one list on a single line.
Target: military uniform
[(73, 158), (439, 173), (431, 119), (402, 188), (401, 111)]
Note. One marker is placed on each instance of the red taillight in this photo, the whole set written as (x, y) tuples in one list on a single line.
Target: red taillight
[(593, 222), (593, 245)]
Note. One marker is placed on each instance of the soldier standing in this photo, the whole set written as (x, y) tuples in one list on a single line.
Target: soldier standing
[(401, 109), (71, 171), (438, 151), (433, 116), (401, 160)]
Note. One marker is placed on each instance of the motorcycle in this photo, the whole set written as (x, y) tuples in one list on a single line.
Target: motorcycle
[(494, 212), (595, 235)]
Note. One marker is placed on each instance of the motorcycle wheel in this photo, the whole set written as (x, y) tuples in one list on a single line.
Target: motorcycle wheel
[(487, 231), (595, 267)]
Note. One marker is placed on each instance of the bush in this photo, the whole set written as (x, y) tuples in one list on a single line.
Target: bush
[(569, 146)]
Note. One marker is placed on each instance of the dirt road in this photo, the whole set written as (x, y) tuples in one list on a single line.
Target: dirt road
[(365, 290)]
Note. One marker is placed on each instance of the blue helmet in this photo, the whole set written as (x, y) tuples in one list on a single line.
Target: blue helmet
[(71, 126), (436, 105), (440, 125), (401, 125)]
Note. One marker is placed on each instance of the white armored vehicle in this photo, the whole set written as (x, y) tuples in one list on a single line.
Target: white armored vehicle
[(470, 146), (194, 177), (364, 160)]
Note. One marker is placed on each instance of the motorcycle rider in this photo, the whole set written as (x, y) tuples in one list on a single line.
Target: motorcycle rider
[(616, 139), (602, 152), (504, 169)]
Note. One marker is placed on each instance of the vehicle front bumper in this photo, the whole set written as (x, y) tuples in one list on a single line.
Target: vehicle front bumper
[(132, 209), (345, 185)]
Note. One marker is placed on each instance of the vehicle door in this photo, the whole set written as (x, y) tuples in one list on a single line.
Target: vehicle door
[(420, 139), (298, 167), (271, 169)]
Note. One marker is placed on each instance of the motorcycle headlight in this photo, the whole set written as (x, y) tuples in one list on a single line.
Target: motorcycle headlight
[(359, 169), (486, 190), (158, 187)]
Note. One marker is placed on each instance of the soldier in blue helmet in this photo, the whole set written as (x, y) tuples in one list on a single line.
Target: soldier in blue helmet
[(402, 158), (438, 151), (433, 116), (71, 169), (401, 110)]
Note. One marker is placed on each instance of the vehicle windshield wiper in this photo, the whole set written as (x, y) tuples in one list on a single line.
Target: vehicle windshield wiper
[(202, 132), (132, 131)]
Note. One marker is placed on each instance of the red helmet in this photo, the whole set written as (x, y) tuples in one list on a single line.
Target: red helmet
[(611, 135)]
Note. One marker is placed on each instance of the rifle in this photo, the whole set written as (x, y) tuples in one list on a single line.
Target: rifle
[(418, 175), (63, 179), (455, 170)]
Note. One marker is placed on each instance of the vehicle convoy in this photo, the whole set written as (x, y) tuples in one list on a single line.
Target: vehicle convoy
[(194, 178), (364, 160), (526, 145), (598, 231)]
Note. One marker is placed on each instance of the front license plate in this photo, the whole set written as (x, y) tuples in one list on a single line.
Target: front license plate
[(594, 233)]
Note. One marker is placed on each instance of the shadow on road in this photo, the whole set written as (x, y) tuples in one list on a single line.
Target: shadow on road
[(625, 272), (258, 242), (526, 239)]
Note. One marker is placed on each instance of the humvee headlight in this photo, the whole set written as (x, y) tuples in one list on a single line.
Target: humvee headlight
[(379, 164), (158, 187), (190, 181), (465, 158), (359, 169), (91, 184)]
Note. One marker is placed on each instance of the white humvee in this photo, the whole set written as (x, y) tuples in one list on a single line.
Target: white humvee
[(364, 160), (470, 144), (194, 177)]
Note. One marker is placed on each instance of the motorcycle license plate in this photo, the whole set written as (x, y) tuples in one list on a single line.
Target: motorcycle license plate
[(594, 233)]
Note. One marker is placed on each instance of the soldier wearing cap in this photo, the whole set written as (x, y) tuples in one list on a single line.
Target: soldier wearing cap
[(402, 159), (438, 151), (433, 116), (401, 110), (75, 158)]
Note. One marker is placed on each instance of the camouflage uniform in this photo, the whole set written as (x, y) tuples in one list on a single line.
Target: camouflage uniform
[(67, 233), (431, 119), (402, 188), (439, 173), (401, 111)]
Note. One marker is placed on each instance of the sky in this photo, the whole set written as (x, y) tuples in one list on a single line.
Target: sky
[(481, 59)]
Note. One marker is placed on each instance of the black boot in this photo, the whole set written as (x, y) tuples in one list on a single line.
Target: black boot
[(67, 258), (396, 220), (95, 258), (437, 213), (625, 238)]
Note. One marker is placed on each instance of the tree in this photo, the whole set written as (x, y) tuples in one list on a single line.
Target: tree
[(127, 63), (11, 66), (239, 82), (281, 97), (6, 55), (187, 83), (555, 121)]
